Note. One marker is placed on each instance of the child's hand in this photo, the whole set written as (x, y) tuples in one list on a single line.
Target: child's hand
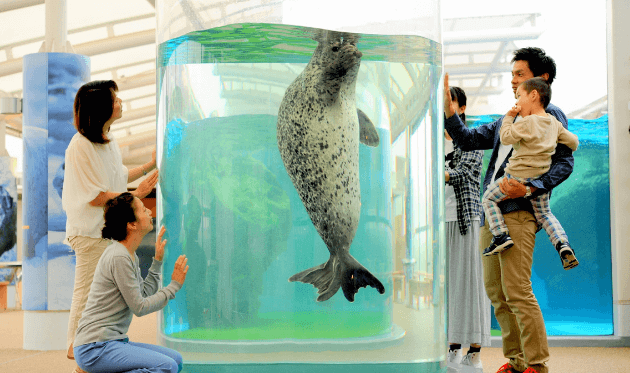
[(513, 112)]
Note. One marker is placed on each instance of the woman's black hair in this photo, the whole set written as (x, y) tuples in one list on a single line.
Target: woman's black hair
[(93, 107), (118, 212), (459, 95)]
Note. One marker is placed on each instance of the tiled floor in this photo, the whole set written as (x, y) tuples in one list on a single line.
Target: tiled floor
[(13, 359)]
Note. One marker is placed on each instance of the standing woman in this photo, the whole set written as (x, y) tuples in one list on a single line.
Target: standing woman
[(468, 305), (94, 174)]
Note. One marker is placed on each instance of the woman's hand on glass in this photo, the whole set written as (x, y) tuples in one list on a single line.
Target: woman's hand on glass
[(159, 245), (147, 185), (180, 270)]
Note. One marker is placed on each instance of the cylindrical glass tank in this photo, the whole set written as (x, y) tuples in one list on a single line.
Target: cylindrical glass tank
[(296, 136)]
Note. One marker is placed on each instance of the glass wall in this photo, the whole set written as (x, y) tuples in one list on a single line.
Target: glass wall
[(272, 163)]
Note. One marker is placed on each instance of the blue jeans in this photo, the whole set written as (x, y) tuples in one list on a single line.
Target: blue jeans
[(124, 356)]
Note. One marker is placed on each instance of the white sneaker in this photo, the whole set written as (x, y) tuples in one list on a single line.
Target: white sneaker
[(454, 361), (471, 363)]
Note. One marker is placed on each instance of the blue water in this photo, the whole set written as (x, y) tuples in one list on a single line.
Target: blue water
[(579, 301), (246, 231)]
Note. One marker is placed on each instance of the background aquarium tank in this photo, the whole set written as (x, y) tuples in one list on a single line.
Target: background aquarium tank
[(582, 205), (229, 204)]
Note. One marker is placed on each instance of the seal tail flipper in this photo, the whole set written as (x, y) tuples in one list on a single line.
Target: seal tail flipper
[(345, 272), (323, 277), (355, 276)]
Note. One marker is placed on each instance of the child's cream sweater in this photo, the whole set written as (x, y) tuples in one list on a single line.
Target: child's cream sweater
[(534, 139)]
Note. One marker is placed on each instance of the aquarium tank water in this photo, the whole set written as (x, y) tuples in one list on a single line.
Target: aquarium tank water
[(232, 206)]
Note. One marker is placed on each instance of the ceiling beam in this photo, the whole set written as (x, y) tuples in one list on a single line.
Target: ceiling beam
[(484, 92), (118, 67), (136, 138), (116, 43), (136, 81), (134, 114), (8, 5), (93, 48), (132, 156), (117, 127), (480, 68), (493, 66), (597, 105), (492, 35)]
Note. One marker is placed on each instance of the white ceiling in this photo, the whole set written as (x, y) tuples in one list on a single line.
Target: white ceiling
[(120, 41)]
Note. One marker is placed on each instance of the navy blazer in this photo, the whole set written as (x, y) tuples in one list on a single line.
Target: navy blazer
[(487, 136)]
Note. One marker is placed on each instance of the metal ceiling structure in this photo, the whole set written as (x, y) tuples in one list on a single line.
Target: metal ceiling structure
[(478, 51), (477, 54)]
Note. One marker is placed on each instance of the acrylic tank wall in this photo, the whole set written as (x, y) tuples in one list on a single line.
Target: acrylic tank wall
[(271, 165)]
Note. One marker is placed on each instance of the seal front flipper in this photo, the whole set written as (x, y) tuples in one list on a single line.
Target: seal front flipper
[(367, 132)]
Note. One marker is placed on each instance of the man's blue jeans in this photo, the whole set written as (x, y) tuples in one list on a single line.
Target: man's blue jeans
[(124, 356)]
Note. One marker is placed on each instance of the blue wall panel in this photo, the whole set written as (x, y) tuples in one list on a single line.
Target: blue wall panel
[(51, 81)]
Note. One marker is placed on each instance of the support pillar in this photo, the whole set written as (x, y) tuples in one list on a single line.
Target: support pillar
[(51, 81), (619, 138)]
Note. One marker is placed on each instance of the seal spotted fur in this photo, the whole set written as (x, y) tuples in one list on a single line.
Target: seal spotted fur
[(318, 135)]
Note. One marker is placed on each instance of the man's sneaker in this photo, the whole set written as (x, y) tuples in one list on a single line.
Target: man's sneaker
[(471, 363), (454, 360), (567, 255), (499, 243)]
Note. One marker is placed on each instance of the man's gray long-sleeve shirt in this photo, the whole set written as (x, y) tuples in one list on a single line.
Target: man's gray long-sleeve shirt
[(118, 292)]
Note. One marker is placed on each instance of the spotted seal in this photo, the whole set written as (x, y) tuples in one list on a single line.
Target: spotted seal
[(318, 132)]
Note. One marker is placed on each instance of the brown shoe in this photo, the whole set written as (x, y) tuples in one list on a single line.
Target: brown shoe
[(78, 370)]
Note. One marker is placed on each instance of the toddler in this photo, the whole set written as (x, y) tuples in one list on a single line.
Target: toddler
[(534, 138)]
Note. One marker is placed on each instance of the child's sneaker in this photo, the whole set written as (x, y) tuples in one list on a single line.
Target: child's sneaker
[(471, 363), (454, 360), (499, 243), (567, 255), (507, 368)]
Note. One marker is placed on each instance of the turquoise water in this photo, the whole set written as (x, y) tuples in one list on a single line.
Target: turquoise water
[(245, 232), (229, 205), (579, 301)]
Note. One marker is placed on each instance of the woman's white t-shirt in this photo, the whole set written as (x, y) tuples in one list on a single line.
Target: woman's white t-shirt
[(89, 170)]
